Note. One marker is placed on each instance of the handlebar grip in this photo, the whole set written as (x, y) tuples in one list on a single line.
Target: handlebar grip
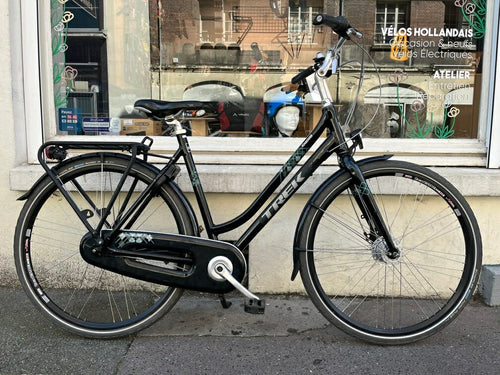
[(338, 24), (303, 75)]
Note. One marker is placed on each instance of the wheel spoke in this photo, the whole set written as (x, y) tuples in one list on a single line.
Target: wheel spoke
[(85, 298), (365, 288)]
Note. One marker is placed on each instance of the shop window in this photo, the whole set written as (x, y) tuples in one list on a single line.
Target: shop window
[(243, 52), (79, 64), (435, 49)]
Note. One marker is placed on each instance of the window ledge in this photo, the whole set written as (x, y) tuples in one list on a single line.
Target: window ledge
[(276, 151), (252, 179)]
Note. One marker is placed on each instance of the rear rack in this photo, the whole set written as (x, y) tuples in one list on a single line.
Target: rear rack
[(57, 150)]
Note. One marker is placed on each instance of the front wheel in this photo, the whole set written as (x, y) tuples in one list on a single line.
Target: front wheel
[(75, 295), (359, 285)]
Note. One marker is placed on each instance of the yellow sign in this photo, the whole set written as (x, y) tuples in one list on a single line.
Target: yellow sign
[(399, 49)]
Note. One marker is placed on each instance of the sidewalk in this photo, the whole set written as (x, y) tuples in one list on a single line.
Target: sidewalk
[(199, 337)]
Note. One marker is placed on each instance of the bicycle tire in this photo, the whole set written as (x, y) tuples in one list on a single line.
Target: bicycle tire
[(361, 290), (71, 293)]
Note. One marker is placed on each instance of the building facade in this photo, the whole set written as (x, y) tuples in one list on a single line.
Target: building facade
[(73, 69)]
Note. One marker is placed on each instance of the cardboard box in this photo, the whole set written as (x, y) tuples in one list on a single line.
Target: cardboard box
[(199, 127), (139, 126)]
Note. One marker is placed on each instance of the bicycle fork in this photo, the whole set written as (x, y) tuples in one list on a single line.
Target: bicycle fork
[(378, 232)]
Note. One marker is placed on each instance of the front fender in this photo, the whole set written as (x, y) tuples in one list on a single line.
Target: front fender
[(307, 207)]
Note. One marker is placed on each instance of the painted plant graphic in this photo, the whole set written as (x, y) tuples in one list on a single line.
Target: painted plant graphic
[(474, 12), (62, 74), (418, 130), (422, 129), (447, 129)]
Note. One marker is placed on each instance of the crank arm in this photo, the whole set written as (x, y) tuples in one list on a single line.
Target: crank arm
[(220, 268), (224, 272)]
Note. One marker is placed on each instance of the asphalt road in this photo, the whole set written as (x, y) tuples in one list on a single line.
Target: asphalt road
[(199, 337)]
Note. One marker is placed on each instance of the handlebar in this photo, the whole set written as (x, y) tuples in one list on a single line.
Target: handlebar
[(340, 26), (303, 75)]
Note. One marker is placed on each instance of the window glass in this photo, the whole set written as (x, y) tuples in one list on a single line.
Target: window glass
[(239, 55)]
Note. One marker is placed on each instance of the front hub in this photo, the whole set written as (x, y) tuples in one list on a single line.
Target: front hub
[(382, 253)]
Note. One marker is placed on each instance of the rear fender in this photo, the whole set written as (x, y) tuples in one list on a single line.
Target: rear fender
[(151, 167)]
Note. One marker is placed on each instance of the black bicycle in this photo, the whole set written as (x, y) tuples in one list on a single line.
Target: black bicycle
[(106, 242)]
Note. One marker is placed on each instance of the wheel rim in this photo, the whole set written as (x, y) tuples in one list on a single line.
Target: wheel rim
[(354, 281), (73, 292)]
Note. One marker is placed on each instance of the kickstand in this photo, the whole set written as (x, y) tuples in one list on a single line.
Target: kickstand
[(224, 302)]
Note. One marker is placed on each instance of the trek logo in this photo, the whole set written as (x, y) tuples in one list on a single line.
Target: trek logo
[(292, 162), (283, 197)]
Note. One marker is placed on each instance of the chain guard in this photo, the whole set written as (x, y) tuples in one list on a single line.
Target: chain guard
[(168, 259)]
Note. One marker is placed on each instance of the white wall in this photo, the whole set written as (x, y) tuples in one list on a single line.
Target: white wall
[(10, 70)]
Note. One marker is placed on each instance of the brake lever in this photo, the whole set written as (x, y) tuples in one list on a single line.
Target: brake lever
[(327, 63), (352, 31)]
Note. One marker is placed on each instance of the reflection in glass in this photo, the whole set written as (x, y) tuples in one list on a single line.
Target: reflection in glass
[(240, 55)]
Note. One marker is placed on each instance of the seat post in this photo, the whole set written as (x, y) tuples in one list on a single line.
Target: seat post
[(176, 124), (196, 183)]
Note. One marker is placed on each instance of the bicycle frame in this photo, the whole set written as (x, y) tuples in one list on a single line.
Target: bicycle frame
[(330, 145), (335, 141), (321, 154)]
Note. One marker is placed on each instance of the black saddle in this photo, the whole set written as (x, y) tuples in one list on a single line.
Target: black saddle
[(160, 108)]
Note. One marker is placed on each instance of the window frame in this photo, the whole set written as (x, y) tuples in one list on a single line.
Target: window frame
[(493, 116), (32, 87), (40, 116), (397, 4)]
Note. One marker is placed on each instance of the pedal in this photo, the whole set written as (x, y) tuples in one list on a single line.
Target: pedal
[(224, 302), (255, 306)]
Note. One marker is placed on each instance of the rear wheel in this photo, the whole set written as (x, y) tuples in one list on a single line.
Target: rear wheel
[(77, 296), (363, 288)]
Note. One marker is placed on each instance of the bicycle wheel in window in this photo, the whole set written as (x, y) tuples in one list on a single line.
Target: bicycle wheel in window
[(365, 290), (84, 299)]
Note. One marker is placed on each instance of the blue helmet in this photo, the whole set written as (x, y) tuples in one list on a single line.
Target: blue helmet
[(284, 99)]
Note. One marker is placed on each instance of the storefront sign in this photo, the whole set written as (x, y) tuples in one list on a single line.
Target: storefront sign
[(70, 119), (90, 6), (96, 124)]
